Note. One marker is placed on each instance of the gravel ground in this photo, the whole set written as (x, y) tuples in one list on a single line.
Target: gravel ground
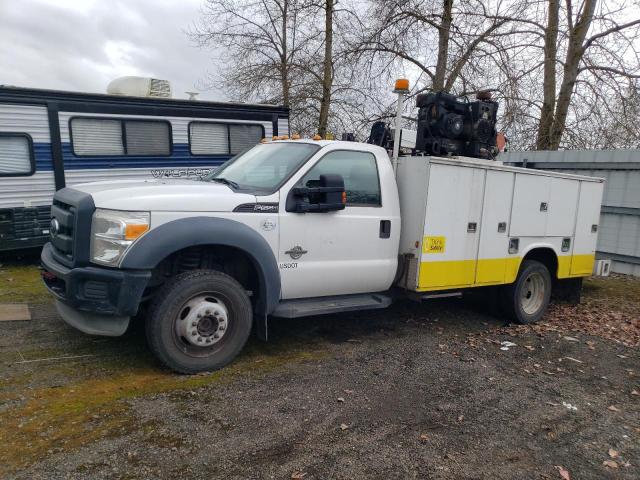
[(415, 391)]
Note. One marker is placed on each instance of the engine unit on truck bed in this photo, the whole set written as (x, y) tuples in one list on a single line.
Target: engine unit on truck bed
[(469, 222)]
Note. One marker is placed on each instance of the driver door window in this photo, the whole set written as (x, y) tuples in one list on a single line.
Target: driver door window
[(359, 171)]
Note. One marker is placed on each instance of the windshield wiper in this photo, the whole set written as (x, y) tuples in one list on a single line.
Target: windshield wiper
[(226, 181)]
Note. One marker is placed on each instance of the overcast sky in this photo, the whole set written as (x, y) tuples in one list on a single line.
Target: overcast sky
[(82, 45)]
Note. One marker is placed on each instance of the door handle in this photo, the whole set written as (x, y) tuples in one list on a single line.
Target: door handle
[(472, 227), (385, 228)]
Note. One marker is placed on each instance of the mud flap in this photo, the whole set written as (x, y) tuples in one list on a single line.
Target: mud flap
[(567, 290), (261, 327)]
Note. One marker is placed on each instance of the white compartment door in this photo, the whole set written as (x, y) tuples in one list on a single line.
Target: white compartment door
[(452, 227), (584, 243), (530, 205), (494, 236), (563, 202)]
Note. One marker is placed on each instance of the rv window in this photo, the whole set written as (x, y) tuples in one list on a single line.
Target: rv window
[(244, 136), (209, 138), (111, 137), (97, 136), (214, 138), (147, 138), (16, 155)]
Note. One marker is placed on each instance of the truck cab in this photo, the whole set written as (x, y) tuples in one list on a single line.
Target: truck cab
[(264, 225), (291, 228)]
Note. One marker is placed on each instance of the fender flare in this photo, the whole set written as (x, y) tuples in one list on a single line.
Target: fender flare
[(168, 238), (544, 246)]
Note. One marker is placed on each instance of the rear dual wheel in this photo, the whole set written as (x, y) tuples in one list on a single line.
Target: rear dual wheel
[(526, 300), (199, 321)]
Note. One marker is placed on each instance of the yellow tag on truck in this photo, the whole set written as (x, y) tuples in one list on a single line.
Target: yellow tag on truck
[(292, 228)]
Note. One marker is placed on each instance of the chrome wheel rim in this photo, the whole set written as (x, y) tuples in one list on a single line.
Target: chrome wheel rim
[(532, 293), (202, 321)]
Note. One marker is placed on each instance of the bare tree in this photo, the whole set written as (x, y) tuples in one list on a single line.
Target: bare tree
[(561, 69), (466, 32), (257, 44), (327, 68), (589, 57)]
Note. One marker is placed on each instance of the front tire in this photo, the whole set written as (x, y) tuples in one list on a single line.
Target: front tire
[(199, 321), (526, 300)]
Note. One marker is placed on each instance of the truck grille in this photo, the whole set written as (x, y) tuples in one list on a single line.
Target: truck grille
[(70, 229), (62, 226)]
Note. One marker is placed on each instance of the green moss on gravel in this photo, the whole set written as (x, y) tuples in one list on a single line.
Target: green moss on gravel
[(90, 406), (22, 284)]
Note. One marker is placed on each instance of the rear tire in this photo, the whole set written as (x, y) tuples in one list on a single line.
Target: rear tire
[(526, 300), (199, 321)]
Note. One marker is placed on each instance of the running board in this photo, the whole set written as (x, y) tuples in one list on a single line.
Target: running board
[(429, 296), (306, 307)]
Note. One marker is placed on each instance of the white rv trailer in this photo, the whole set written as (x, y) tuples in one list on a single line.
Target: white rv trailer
[(52, 139)]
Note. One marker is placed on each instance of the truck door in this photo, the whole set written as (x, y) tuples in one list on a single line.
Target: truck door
[(451, 227), (347, 251), (494, 230)]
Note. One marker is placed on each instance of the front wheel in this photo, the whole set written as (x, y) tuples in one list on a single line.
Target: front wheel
[(526, 300), (199, 321)]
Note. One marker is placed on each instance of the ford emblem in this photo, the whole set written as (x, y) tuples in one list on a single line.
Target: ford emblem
[(54, 228)]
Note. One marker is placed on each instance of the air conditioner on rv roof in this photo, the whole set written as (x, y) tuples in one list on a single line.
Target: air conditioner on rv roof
[(140, 87)]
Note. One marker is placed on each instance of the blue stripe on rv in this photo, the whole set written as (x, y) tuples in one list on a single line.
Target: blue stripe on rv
[(42, 156), (180, 157)]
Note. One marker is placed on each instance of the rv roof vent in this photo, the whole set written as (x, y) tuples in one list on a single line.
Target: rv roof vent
[(140, 87)]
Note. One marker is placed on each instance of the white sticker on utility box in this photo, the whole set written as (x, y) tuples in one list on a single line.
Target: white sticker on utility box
[(434, 244)]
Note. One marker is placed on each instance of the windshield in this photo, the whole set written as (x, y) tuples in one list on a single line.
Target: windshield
[(264, 167)]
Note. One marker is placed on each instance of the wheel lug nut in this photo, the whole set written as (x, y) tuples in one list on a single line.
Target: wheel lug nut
[(194, 333), (215, 335), (199, 315), (193, 324), (199, 339)]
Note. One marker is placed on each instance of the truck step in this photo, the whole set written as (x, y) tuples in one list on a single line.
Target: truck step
[(306, 307)]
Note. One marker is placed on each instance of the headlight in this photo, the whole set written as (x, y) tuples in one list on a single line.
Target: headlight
[(113, 232)]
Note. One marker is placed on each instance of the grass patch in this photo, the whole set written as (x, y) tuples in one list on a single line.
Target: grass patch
[(22, 284), (613, 289), (66, 417)]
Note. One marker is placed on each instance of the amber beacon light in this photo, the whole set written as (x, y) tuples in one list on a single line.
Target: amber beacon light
[(402, 85)]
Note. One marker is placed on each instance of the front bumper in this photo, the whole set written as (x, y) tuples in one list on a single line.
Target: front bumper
[(102, 292)]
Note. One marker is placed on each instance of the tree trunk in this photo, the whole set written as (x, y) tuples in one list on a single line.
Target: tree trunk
[(284, 61), (327, 73), (549, 78), (575, 52), (444, 33)]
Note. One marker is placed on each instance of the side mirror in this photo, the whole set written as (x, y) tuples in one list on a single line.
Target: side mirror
[(328, 196)]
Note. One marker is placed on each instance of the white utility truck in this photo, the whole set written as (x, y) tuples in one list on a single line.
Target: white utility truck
[(293, 228)]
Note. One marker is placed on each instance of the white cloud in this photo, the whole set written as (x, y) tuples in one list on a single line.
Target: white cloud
[(82, 45)]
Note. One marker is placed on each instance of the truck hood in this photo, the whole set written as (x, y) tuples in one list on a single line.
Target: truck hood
[(164, 195)]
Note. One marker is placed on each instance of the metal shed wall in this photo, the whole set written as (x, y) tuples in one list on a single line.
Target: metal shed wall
[(619, 237)]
